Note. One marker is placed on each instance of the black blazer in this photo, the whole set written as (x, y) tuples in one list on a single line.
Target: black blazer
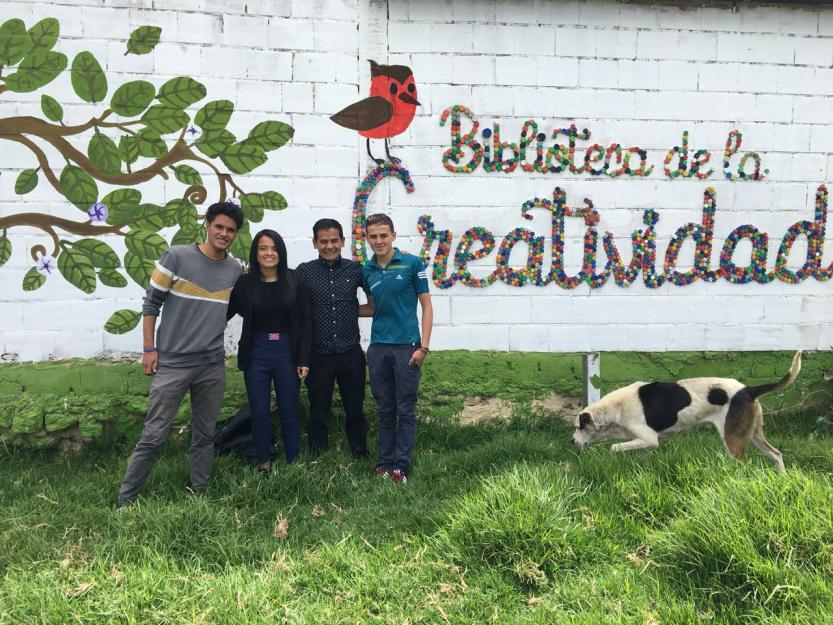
[(300, 319)]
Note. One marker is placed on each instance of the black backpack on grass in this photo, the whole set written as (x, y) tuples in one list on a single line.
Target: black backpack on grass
[(235, 436)]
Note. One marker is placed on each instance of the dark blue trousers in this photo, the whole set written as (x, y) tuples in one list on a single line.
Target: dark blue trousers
[(272, 362), (394, 384)]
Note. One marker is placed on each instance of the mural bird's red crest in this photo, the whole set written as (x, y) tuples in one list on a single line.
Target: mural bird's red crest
[(389, 109)]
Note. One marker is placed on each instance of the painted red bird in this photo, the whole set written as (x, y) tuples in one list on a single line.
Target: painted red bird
[(388, 111)]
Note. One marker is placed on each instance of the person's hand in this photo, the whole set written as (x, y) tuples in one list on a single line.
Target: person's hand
[(303, 372), (150, 362), (417, 357)]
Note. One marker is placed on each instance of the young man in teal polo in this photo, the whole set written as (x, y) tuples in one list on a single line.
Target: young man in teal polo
[(395, 281)]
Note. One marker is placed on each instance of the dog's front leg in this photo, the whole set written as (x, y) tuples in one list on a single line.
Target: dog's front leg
[(646, 438)]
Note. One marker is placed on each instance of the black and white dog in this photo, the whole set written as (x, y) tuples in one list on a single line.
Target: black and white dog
[(642, 413)]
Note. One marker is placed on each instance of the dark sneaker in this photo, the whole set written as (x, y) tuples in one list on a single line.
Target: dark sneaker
[(124, 504), (194, 492), (399, 476), (381, 471)]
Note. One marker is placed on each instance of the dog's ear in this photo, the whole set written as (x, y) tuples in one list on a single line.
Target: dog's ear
[(584, 419)]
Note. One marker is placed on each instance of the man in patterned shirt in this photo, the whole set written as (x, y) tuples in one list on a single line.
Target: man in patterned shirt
[(332, 283)]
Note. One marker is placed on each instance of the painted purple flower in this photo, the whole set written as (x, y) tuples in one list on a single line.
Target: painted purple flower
[(193, 130), (98, 211), (46, 264), (233, 200)]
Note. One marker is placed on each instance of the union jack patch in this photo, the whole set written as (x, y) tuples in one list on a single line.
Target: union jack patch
[(274, 336)]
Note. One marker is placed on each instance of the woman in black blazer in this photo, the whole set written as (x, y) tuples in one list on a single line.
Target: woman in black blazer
[(274, 344)]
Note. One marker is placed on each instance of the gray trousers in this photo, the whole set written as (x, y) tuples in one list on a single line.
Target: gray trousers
[(207, 384)]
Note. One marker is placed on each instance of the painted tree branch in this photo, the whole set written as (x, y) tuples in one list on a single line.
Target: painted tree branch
[(43, 161), (49, 224), (16, 129)]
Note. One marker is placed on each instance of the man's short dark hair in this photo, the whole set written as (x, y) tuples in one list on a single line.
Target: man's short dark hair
[(326, 224), (232, 211), (380, 219)]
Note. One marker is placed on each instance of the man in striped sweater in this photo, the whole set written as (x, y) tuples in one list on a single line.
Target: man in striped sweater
[(190, 285)]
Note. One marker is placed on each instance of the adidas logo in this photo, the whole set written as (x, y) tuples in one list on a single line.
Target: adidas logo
[(399, 277)]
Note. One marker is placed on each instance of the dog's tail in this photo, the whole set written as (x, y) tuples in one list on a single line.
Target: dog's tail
[(792, 374)]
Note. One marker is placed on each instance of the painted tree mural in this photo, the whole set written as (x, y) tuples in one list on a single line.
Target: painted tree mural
[(143, 133)]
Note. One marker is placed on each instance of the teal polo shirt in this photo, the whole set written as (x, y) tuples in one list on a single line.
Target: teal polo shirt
[(394, 290)]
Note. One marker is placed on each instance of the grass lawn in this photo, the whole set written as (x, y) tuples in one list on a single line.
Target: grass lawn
[(500, 523)]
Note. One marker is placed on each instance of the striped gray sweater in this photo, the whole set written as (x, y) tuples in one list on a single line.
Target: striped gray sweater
[(192, 291)]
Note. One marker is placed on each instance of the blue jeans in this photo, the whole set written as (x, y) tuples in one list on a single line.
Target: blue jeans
[(272, 361), (394, 384)]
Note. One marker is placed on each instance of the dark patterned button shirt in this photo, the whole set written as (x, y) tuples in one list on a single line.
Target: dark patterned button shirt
[(335, 307)]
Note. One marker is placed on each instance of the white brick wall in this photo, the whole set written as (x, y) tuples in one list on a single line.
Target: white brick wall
[(635, 74)]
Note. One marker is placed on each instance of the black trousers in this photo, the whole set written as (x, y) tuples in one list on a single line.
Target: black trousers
[(349, 370)]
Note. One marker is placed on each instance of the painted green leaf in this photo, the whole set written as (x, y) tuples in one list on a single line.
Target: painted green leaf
[(148, 245), (45, 33), (169, 213), (77, 269), (100, 254), (38, 69), (151, 145), (149, 218), (143, 40), (188, 234), (78, 187), (128, 149), (242, 243), (253, 206), (33, 279), (186, 213), (274, 201), (15, 42), (87, 78), (243, 157), (164, 119), (214, 143), (187, 174), (111, 277), (51, 108), (270, 135), (181, 92), (132, 98), (122, 205), (26, 181), (5, 249), (138, 268), (104, 154), (122, 321), (214, 115)]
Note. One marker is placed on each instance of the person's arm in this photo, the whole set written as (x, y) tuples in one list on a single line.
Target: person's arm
[(306, 330), (159, 284), (150, 357), (234, 304), (427, 323), (366, 310)]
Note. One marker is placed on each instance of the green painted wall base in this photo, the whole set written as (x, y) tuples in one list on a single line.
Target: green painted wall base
[(66, 404)]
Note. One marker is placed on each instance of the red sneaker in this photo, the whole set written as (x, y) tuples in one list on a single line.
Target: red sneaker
[(399, 476), (381, 471)]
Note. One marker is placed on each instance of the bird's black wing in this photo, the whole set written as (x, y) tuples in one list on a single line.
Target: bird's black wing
[(365, 114)]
